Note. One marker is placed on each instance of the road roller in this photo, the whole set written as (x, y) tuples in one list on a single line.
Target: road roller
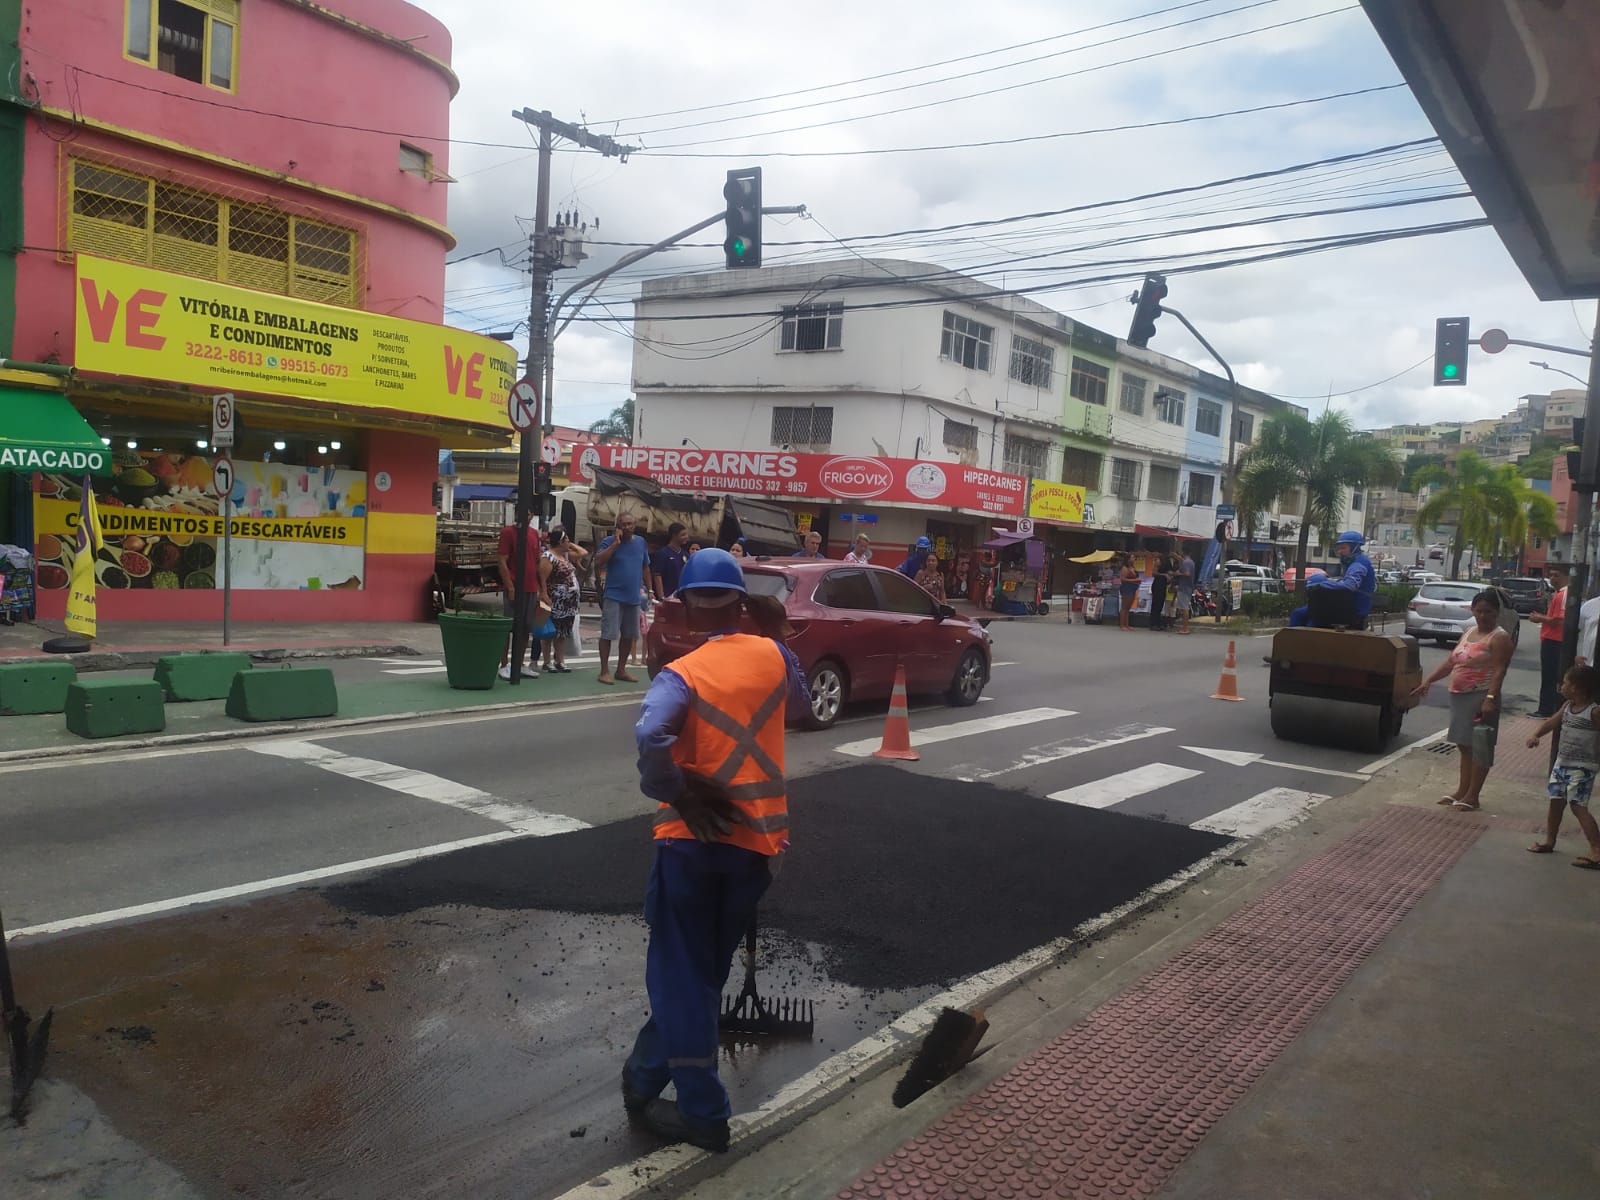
[(1342, 687)]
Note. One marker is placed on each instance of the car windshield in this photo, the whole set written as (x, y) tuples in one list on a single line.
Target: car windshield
[(1459, 593), (1521, 585), (769, 583)]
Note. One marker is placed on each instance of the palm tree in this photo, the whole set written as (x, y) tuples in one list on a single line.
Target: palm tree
[(1489, 506), (1320, 459), (618, 426)]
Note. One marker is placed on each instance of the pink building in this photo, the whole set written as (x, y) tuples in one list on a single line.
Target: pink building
[(245, 197)]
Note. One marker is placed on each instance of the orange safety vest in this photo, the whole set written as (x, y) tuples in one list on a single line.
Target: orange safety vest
[(733, 735)]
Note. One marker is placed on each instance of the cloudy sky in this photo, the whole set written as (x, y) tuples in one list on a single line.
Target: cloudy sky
[(797, 88)]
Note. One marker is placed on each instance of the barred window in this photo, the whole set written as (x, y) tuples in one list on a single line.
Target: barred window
[(1027, 456), (192, 39), (1246, 425), (1290, 503), (1132, 401), (1202, 489), (1081, 468), (1032, 363), (809, 426), (959, 436), (1125, 478), (1089, 381), (173, 227), (1163, 483), (1208, 417), (966, 341), (812, 326), (1168, 406)]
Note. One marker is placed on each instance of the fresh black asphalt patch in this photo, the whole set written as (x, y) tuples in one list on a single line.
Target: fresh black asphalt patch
[(904, 880)]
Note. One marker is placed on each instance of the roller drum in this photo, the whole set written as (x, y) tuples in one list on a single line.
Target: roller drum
[(1346, 724)]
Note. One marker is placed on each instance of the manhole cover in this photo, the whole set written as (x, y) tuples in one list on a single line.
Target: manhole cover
[(1442, 748)]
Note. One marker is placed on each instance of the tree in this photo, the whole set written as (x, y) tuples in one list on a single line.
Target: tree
[(1320, 459), (1491, 507), (618, 426), (1415, 463)]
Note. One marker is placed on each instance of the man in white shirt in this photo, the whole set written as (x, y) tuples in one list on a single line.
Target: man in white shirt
[(1588, 626)]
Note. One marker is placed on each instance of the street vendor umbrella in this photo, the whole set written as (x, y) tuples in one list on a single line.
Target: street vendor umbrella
[(1099, 556)]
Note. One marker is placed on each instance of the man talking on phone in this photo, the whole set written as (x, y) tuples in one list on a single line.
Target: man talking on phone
[(625, 557)]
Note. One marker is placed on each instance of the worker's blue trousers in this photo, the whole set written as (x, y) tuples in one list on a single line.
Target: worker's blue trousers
[(1300, 616), (699, 902)]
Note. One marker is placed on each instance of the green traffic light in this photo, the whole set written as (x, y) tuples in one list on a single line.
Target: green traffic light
[(739, 247), (1450, 370)]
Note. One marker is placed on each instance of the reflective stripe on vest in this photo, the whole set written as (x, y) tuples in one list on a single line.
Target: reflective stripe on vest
[(733, 736)]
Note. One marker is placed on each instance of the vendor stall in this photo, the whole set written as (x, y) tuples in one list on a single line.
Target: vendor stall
[(1016, 580)]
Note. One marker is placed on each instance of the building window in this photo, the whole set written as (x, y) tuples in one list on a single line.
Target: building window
[(416, 161), (1202, 490), (172, 227), (1245, 424), (1125, 478), (966, 341), (1163, 483), (809, 426), (1132, 401), (1208, 417), (812, 327), (1538, 542), (1168, 406), (1290, 503), (192, 39), (1355, 501), (1027, 456), (960, 437), (1032, 363), (1089, 381), (1080, 468)]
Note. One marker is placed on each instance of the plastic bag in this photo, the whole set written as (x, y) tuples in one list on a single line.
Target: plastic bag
[(575, 639)]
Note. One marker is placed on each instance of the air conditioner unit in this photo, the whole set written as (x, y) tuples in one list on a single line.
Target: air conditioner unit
[(968, 458)]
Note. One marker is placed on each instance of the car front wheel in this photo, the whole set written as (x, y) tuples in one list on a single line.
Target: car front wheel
[(829, 690), (968, 683)]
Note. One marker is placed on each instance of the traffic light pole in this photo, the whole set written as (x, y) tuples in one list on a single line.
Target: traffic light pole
[(1233, 422), (543, 264), (1584, 488)]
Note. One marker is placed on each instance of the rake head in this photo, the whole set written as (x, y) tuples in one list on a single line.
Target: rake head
[(781, 1017)]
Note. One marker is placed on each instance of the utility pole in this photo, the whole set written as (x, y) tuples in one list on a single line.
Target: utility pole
[(545, 258)]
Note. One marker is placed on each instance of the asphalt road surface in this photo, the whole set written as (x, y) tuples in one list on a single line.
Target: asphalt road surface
[(420, 944)]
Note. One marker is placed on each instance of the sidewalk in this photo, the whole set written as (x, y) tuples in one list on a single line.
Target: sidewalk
[(1399, 1005)]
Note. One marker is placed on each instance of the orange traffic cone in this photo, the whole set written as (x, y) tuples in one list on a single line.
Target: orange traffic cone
[(897, 729), (1228, 685)]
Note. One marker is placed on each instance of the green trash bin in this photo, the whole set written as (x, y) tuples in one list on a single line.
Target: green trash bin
[(473, 644)]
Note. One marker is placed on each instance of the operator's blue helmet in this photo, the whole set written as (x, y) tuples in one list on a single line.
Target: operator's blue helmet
[(1350, 537), (712, 569), (924, 544)]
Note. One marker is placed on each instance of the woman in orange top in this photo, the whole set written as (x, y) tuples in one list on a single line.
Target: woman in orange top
[(1477, 669)]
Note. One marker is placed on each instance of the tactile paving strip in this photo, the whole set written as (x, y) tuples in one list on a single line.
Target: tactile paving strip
[(1115, 1104)]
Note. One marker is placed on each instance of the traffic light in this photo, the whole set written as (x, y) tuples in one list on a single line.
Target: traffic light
[(1147, 309), (743, 194), (1450, 338), (541, 478)]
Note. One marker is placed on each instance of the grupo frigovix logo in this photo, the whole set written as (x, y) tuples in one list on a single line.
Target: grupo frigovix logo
[(854, 478), (926, 481)]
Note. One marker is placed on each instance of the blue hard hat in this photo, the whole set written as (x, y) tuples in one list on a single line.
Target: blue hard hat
[(711, 568), (1350, 537), (924, 544)]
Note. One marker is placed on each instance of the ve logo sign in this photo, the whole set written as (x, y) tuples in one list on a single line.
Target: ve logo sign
[(137, 317), (463, 376)]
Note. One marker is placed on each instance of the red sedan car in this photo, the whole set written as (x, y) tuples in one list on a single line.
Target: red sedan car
[(852, 626)]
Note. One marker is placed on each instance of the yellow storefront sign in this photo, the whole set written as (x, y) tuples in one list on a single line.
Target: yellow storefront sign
[(147, 324), (1055, 502), (60, 517)]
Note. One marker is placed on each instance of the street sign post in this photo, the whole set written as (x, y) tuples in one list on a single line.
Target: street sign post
[(522, 406), (222, 484), (222, 421)]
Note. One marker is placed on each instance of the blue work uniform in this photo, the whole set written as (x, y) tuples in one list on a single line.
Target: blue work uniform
[(1358, 577), (913, 565), (699, 902)]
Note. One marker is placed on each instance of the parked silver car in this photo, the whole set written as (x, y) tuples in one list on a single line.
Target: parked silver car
[(1443, 611)]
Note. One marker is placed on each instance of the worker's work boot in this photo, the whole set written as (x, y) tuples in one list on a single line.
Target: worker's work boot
[(634, 1099), (662, 1118)]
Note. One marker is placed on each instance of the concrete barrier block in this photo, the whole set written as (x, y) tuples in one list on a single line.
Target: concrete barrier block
[(113, 708), (199, 676), (293, 694), (35, 687)]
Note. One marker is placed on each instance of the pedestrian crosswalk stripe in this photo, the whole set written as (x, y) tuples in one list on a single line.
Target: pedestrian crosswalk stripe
[(1114, 789), (1067, 748), (1263, 811), (960, 729)]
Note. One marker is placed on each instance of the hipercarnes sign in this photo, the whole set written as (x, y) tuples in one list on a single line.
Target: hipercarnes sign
[(782, 474)]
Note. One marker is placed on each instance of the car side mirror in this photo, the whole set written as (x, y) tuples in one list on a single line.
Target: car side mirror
[(945, 612)]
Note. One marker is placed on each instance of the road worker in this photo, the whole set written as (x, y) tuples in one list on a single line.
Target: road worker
[(710, 737)]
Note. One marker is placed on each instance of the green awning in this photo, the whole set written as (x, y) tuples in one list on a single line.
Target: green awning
[(41, 431)]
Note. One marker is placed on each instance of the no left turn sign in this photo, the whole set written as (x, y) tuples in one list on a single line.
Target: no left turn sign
[(522, 405)]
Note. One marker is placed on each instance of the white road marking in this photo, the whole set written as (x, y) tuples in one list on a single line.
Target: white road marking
[(1114, 789), (1002, 664), (258, 887), (1244, 758), (1263, 811), (518, 817), (1067, 748), (960, 729), (434, 666), (1372, 768), (409, 662)]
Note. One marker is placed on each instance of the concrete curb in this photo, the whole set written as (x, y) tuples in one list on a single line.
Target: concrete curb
[(279, 729), (124, 660)]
